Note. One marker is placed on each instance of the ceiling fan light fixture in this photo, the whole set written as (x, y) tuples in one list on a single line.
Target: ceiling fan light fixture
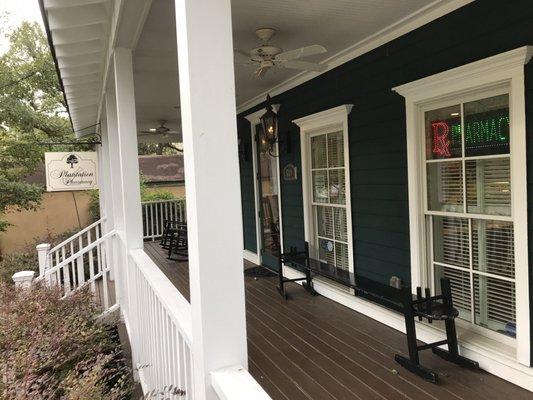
[(265, 34)]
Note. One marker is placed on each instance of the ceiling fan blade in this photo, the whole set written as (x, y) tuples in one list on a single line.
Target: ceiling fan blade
[(301, 52), (260, 72), (304, 65)]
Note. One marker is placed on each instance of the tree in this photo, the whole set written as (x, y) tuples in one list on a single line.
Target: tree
[(31, 99), (167, 149), (32, 109), (18, 158)]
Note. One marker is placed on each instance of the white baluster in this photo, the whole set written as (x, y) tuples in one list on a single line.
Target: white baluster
[(79, 264)]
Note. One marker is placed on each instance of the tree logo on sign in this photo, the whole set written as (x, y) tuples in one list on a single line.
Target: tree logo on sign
[(72, 159)]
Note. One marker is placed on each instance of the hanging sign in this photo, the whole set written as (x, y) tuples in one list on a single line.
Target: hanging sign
[(71, 171), (290, 172)]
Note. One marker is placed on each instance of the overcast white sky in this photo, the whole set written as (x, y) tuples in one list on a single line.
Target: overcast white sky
[(18, 10)]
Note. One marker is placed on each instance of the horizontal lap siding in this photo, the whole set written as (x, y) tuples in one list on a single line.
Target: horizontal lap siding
[(377, 138)]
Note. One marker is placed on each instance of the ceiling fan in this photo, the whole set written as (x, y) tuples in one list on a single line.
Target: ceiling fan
[(268, 56), (160, 130)]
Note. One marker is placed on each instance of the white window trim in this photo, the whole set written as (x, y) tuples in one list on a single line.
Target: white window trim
[(505, 68), (337, 116), (254, 119)]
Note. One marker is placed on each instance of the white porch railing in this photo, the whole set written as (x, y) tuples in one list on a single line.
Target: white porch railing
[(155, 213), (88, 266), (70, 246), (159, 323), (157, 316)]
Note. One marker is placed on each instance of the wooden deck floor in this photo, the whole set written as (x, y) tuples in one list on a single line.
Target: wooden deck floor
[(313, 348)]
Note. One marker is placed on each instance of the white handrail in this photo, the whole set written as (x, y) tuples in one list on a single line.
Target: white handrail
[(80, 253), (164, 201), (236, 383), (76, 235), (89, 266), (177, 306), (159, 323)]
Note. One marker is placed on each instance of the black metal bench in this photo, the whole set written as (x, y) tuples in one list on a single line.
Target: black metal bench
[(365, 287), (439, 307)]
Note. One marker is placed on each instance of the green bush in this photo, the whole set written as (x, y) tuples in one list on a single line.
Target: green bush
[(146, 195), (26, 259), (15, 262), (53, 348), (94, 205), (158, 195)]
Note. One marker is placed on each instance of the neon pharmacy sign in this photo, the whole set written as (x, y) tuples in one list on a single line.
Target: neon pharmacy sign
[(483, 133)]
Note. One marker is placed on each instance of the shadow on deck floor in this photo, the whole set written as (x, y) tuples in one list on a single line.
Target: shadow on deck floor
[(313, 348)]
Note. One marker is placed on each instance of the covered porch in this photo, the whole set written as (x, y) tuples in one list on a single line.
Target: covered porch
[(190, 71), (311, 347)]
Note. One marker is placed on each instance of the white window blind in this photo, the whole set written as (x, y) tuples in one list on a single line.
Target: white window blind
[(468, 185), (329, 198)]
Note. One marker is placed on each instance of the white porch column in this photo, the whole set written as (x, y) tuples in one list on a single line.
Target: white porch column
[(128, 148), (214, 217), (111, 142), (104, 175), (106, 185), (123, 154)]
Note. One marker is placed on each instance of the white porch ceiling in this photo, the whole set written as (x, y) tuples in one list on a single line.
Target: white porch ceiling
[(334, 24), (80, 31), (80, 34)]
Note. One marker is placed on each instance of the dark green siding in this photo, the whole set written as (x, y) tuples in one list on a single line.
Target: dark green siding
[(377, 138)]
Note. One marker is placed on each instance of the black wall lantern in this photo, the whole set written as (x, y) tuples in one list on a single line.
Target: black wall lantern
[(269, 123)]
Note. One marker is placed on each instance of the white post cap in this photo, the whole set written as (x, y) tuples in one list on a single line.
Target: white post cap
[(23, 278)]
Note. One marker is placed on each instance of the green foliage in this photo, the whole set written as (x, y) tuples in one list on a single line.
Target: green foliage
[(21, 261), (157, 195), (31, 100), (26, 259), (18, 158), (94, 205), (167, 149), (32, 109), (146, 195), (53, 348)]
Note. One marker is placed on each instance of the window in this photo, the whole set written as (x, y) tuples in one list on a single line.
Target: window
[(329, 198), (326, 186), (468, 194), (468, 186)]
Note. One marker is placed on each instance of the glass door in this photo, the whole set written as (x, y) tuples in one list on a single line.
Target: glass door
[(268, 193)]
